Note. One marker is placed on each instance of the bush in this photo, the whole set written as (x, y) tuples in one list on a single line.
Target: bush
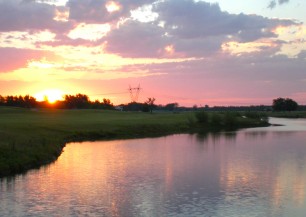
[(230, 120), (202, 117), (191, 120), (215, 120)]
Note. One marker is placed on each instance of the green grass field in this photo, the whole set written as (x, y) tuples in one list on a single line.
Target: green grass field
[(31, 138)]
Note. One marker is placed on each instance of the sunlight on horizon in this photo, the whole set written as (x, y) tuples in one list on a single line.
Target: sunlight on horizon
[(50, 95)]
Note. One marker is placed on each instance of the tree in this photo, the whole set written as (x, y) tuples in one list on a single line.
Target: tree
[(291, 105), (281, 104), (2, 100), (171, 106), (20, 101), (29, 101), (79, 101), (107, 104), (150, 103)]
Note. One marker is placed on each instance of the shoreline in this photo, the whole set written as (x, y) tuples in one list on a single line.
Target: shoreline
[(35, 139)]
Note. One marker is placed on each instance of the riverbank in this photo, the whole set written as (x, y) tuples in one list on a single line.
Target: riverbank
[(31, 138), (293, 114)]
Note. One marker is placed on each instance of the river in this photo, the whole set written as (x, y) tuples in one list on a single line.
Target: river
[(258, 172)]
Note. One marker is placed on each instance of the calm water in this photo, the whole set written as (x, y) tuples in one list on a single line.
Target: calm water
[(256, 172)]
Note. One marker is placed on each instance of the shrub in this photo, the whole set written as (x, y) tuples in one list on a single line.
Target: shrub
[(215, 120), (202, 117), (230, 120), (191, 120)]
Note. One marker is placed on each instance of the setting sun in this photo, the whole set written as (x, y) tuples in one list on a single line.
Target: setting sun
[(50, 95), (112, 6)]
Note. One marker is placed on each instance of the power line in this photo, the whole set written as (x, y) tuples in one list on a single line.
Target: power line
[(101, 94)]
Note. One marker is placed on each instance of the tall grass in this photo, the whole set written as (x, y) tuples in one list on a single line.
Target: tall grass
[(292, 114), (229, 120)]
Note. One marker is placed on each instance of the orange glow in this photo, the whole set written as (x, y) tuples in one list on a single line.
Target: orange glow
[(237, 48), (62, 16), (169, 49), (50, 95), (89, 31), (296, 35), (280, 30), (40, 64), (112, 6)]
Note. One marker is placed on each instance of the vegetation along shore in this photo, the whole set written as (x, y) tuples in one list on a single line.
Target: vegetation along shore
[(34, 137)]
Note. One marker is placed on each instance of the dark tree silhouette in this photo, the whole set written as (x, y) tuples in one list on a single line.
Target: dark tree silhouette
[(282, 104), (29, 101), (2, 100), (105, 104), (79, 101), (19, 101), (171, 106), (150, 104)]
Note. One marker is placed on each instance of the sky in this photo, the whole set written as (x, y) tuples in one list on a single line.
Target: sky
[(192, 52)]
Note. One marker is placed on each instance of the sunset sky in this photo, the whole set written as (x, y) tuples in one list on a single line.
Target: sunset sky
[(193, 52)]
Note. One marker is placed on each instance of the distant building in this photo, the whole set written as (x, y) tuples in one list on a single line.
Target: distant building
[(119, 108)]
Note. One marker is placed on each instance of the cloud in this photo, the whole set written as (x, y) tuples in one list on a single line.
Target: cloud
[(63, 40), (13, 58), (95, 11), (183, 28), (244, 69), (136, 39), (302, 55), (190, 29), (282, 1), (18, 15), (189, 19), (273, 3)]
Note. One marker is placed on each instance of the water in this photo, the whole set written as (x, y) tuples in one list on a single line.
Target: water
[(253, 173)]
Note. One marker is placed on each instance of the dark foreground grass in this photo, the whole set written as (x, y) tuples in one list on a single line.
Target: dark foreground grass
[(291, 114), (31, 138)]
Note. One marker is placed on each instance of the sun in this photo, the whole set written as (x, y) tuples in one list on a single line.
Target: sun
[(50, 95), (112, 6)]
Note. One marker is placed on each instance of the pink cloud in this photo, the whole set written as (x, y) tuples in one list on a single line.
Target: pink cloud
[(13, 58)]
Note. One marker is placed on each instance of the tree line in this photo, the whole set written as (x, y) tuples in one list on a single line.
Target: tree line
[(78, 101), (82, 101)]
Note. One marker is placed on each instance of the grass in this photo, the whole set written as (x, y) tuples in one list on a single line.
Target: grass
[(216, 121), (292, 114), (31, 138)]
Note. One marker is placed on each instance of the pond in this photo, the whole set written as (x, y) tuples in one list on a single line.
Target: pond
[(252, 172)]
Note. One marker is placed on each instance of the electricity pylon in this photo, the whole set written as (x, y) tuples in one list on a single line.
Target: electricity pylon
[(134, 93)]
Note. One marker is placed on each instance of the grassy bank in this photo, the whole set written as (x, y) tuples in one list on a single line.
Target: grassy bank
[(292, 114), (31, 138)]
